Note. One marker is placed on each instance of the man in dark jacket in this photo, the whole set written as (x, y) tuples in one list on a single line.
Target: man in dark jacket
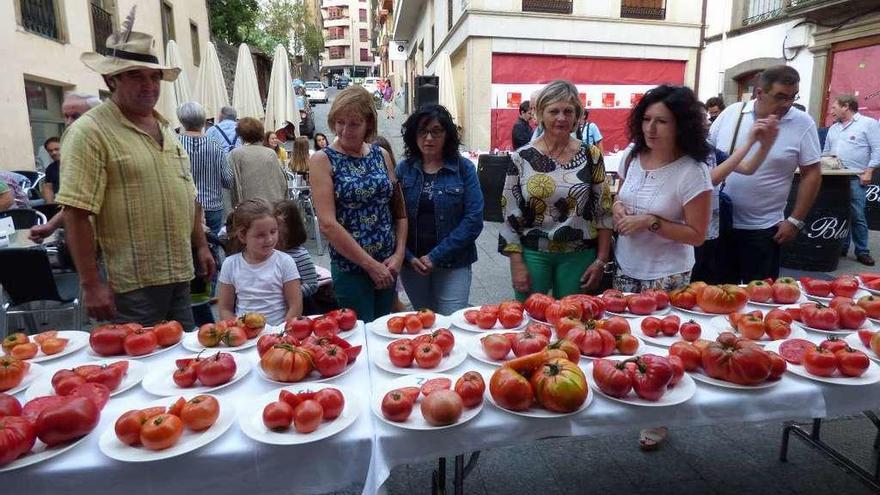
[(522, 131)]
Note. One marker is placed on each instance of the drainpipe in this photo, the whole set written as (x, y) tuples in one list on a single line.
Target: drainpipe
[(700, 50)]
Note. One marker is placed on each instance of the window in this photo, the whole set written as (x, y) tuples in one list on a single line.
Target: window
[(44, 113), (335, 33), (40, 17), (643, 9), (365, 54), (337, 52), (364, 36), (549, 6), (336, 13), (102, 25), (167, 22), (762, 10), (194, 39), (362, 15)]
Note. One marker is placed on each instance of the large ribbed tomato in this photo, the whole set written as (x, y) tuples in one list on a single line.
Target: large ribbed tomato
[(611, 377), (17, 437), (560, 309), (736, 360), (560, 386), (722, 299), (536, 305), (511, 390), (286, 363)]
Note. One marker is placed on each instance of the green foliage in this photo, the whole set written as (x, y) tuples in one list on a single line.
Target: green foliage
[(233, 21)]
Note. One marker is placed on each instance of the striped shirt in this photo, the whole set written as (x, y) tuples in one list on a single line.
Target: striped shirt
[(210, 169), (308, 277)]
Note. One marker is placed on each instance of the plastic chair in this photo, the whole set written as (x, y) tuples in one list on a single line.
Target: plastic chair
[(27, 277), (24, 218)]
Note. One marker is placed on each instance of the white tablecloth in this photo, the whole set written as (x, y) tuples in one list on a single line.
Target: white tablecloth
[(233, 463)]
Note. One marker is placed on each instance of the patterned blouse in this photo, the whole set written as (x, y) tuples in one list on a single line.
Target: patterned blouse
[(362, 190), (554, 207)]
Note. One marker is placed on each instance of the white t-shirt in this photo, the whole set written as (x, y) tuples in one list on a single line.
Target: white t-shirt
[(260, 288), (663, 192), (759, 199)]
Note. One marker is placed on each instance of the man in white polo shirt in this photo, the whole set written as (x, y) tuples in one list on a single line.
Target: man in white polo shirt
[(855, 139), (751, 250)]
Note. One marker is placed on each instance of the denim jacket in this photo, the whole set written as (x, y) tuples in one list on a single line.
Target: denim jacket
[(458, 210)]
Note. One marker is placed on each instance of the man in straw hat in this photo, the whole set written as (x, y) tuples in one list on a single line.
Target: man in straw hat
[(124, 167)]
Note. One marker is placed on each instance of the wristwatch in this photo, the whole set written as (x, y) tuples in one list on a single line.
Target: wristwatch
[(798, 224), (655, 225)]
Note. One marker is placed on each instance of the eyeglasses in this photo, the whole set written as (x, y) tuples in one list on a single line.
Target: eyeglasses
[(782, 98), (435, 133)]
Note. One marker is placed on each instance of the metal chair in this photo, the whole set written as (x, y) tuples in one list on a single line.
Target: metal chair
[(299, 191), (24, 218), (27, 277), (31, 176)]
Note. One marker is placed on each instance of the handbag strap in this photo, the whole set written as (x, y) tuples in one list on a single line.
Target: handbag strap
[(736, 130)]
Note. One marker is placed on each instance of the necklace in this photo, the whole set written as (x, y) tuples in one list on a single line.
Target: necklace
[(358, 153), (558, 153)]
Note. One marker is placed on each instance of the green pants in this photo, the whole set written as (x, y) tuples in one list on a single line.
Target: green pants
[(559, 273), (357, 291)]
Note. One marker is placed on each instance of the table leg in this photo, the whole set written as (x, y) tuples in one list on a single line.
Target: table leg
[(462, 471), (438, 478)]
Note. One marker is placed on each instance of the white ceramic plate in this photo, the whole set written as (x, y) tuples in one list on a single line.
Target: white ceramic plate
[(830, 332), (874, 320), (313, 377), (871, 376), (696, 311), (457, 356), (721, 324), (40, 452), (136, 372), (459, 321), (160, 381), (76, 341), (191, 341), (159, 350), (33, 372), (867, 289), (538, 412), (862, 291), (416, 421), (707, 332), (474, 348), (681, 392), (700, 377), (856, 343), (250, 418), (189, 441), (379, 326)]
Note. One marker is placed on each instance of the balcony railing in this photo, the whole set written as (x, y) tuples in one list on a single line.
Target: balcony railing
[(643, 9), (102, 23), (38, 16), (757, 11), (547, 6)]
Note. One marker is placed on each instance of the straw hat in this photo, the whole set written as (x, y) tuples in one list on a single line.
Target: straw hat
[(128, 52)]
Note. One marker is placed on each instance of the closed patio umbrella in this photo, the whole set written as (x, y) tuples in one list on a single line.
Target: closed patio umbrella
[(281, 106), (210, 88), (447, 96), (245, 93), (174, 94)]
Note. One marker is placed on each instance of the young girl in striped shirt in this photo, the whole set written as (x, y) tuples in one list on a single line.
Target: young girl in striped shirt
[(291, 237)]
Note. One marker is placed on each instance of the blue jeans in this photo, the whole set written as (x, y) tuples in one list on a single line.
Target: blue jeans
[(215, 220), (858, 228), (444, 290)]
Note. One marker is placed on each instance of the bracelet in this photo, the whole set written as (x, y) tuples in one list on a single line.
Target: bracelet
[(616, 203), (600, 262)]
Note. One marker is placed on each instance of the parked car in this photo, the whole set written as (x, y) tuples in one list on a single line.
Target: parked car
[(371, 84), (306, 117), (316, 91), (342, 82)]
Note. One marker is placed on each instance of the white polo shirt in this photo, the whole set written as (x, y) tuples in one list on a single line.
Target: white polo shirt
[(759, 199)]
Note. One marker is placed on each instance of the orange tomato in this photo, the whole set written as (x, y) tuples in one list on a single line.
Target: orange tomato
[(53, 345), (395, 324), (200, 412), (24, 351), (161, 432), (48, 334)]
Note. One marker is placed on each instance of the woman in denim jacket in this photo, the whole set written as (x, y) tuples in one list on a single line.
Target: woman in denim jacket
[(445, 211)]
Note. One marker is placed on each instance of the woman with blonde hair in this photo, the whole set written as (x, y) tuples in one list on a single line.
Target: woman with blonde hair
[(299, 160), (557, 204), (360, 207)]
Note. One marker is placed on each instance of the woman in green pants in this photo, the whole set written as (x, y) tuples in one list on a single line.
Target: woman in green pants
[(557, 204)]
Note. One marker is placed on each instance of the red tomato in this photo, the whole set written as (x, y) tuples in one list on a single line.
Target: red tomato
[(428, 355), (427, 317), (108, 375), (128, 426), (53, 346), (559, 309), (510, 318), (871, 305), (412, 323), (185, 377), (688, 353), (759, 291), (597, 342), (332, 402), (95, 392), (64, 381), (510, 390), (17, 437), (820, 362), (486, 320), (290, 399), (200, 412), (736, 360), (851, 362), (442, 408), (777, 366), (650, 376), (511, 304), (559, 386), (614, 301), (252, 324), (25, 351), (161, 432), (777, 329), (307, 416), (722, 299), (670, 325), (660, 296), (324, 326), (401, 354), (641, 304), (612, 378), (140, 342), (845, 285), (445, 339), (627, 344), (820, 317), (778, 314), (278, 415), (265, 342), (496, 346), (851, 316), (471, 316), (435, 384), (234, 337), (528, 343), (690, 331), (751, 327), (677, 370), (616, 325), (411, 393), (330, 360), (11, 341), (833, 344), (168, 333), (299, 327), (70, 419), (209, 335), (34, 407), (397, 406), (107, 340), (491, 308), (470, 387), (216, 370), (786, 290), (9, 406), (571, 350), (793, 350), (651, 326), (536, 305), (685, 297), (12, 372), (539, 329), (815, 287), (865, 336), (346, 318)]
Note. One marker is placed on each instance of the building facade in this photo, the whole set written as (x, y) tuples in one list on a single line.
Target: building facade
[(504, 50), (348, 47), (41, 42), (833, 44)]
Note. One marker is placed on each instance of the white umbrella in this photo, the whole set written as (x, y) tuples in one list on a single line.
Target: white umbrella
[(281, 106), (245, 93), (210, 89), (447, 85), (174, 94)]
